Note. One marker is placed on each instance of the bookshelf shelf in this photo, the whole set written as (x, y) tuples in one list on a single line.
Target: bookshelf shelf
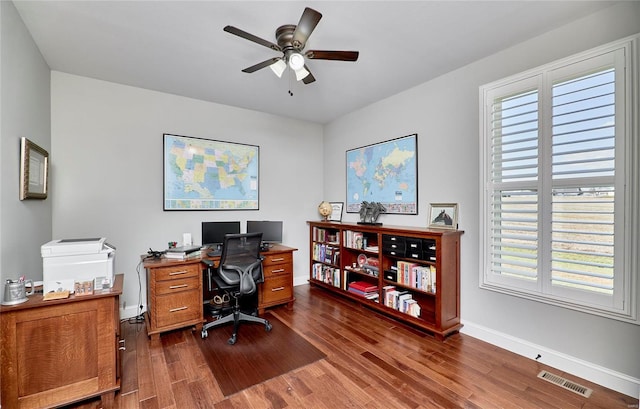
[(409, 273)]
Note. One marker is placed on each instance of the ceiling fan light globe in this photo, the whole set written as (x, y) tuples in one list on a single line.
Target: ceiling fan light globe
[(301, 74), (296, 61), (278, 67)]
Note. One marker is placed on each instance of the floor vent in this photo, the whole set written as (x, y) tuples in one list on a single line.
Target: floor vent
[(565, 383)]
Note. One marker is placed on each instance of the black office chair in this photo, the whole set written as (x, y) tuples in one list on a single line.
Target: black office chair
[(239, 272)]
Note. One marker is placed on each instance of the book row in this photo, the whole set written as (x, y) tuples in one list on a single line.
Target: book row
[(421, 277), (326, 253), (326, 274), (328, 236), (354, 239), (400, 300)]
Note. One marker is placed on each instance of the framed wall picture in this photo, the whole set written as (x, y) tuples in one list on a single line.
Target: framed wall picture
[(336, 212), (34, 170), (205, 174), (385, 173), (443, 215)]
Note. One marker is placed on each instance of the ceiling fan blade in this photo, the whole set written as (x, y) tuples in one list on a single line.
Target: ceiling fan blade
[(251, 37), (332, 55), (261, 65), (305, 27), (309, 78)]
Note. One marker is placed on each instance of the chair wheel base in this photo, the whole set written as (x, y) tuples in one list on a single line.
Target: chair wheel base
[(267, 326), (232, 340), (204, 333)]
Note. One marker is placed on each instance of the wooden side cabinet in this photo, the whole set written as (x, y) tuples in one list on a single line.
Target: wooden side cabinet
[(62, 351), (174, 295)]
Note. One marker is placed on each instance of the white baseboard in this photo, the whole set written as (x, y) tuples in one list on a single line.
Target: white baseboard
[(129, 312), (586, 370), (300, 280)]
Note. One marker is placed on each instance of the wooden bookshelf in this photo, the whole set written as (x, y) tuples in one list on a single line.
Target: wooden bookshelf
[(416, 271)]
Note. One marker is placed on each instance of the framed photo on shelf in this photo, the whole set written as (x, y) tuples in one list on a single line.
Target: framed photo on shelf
[(443, 215), (336, 211), (34, 170)]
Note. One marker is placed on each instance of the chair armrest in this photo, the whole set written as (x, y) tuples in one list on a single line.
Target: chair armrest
[(207, 262)]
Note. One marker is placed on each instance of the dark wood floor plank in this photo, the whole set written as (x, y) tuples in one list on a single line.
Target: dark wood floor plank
[(162, 381), (128, 401), (182, 395), (204, 390), (146, 384)]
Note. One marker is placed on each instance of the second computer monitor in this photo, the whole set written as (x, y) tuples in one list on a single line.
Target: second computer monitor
[(271, 230), (213, 232)]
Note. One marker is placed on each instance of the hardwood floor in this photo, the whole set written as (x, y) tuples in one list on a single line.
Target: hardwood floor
[(372, 362)]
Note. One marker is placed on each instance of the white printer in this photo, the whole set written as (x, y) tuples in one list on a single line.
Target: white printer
[(67, 261)]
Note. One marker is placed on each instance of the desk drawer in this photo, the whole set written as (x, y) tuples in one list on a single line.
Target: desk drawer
[(278, 258), (176, 308), (174, 286), (176, 272), (277, 289), (277, 270)]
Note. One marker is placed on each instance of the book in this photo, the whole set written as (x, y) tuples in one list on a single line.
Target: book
[(363, 286), (183, 256), (183, 249)]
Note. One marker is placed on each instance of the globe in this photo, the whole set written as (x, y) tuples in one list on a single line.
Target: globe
[(325, 209)]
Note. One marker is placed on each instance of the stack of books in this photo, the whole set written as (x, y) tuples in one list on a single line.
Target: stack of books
[(364, 289), (183, 253)]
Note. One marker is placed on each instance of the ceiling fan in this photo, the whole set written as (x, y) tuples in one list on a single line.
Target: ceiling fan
[(291, 41)]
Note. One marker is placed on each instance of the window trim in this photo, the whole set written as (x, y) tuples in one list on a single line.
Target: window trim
[(627, 193)]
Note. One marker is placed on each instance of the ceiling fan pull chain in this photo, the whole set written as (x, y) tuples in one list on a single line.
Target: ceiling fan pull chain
[(290, 74)]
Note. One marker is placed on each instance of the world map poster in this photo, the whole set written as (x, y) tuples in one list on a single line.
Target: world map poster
[(386, 172), (204, 174)]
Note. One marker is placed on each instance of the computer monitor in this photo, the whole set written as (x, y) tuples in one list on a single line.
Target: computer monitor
[(213, 232), (271, 230)]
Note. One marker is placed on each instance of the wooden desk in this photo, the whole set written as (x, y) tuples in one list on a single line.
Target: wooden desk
[(174, 289), (61, 351)]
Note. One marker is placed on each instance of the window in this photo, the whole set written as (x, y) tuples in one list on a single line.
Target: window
[(556, 168)]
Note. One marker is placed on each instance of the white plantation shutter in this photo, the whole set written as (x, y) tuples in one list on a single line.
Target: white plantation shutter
[(554, 183), (514, 137), (583, 164), (514, 229)]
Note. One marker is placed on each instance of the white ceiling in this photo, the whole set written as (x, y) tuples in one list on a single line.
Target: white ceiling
[(179, 47)]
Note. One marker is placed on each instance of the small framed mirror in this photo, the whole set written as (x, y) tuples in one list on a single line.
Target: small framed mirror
[(34, 170)]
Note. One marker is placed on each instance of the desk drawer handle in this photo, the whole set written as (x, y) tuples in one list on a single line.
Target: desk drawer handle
[(173, 287), (280, 270), (175, 273), (277, 289), (277, 259), (178, 309)]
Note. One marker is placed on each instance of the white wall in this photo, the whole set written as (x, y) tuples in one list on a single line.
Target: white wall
[(24, 111), (108, 171), (444, 113)]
